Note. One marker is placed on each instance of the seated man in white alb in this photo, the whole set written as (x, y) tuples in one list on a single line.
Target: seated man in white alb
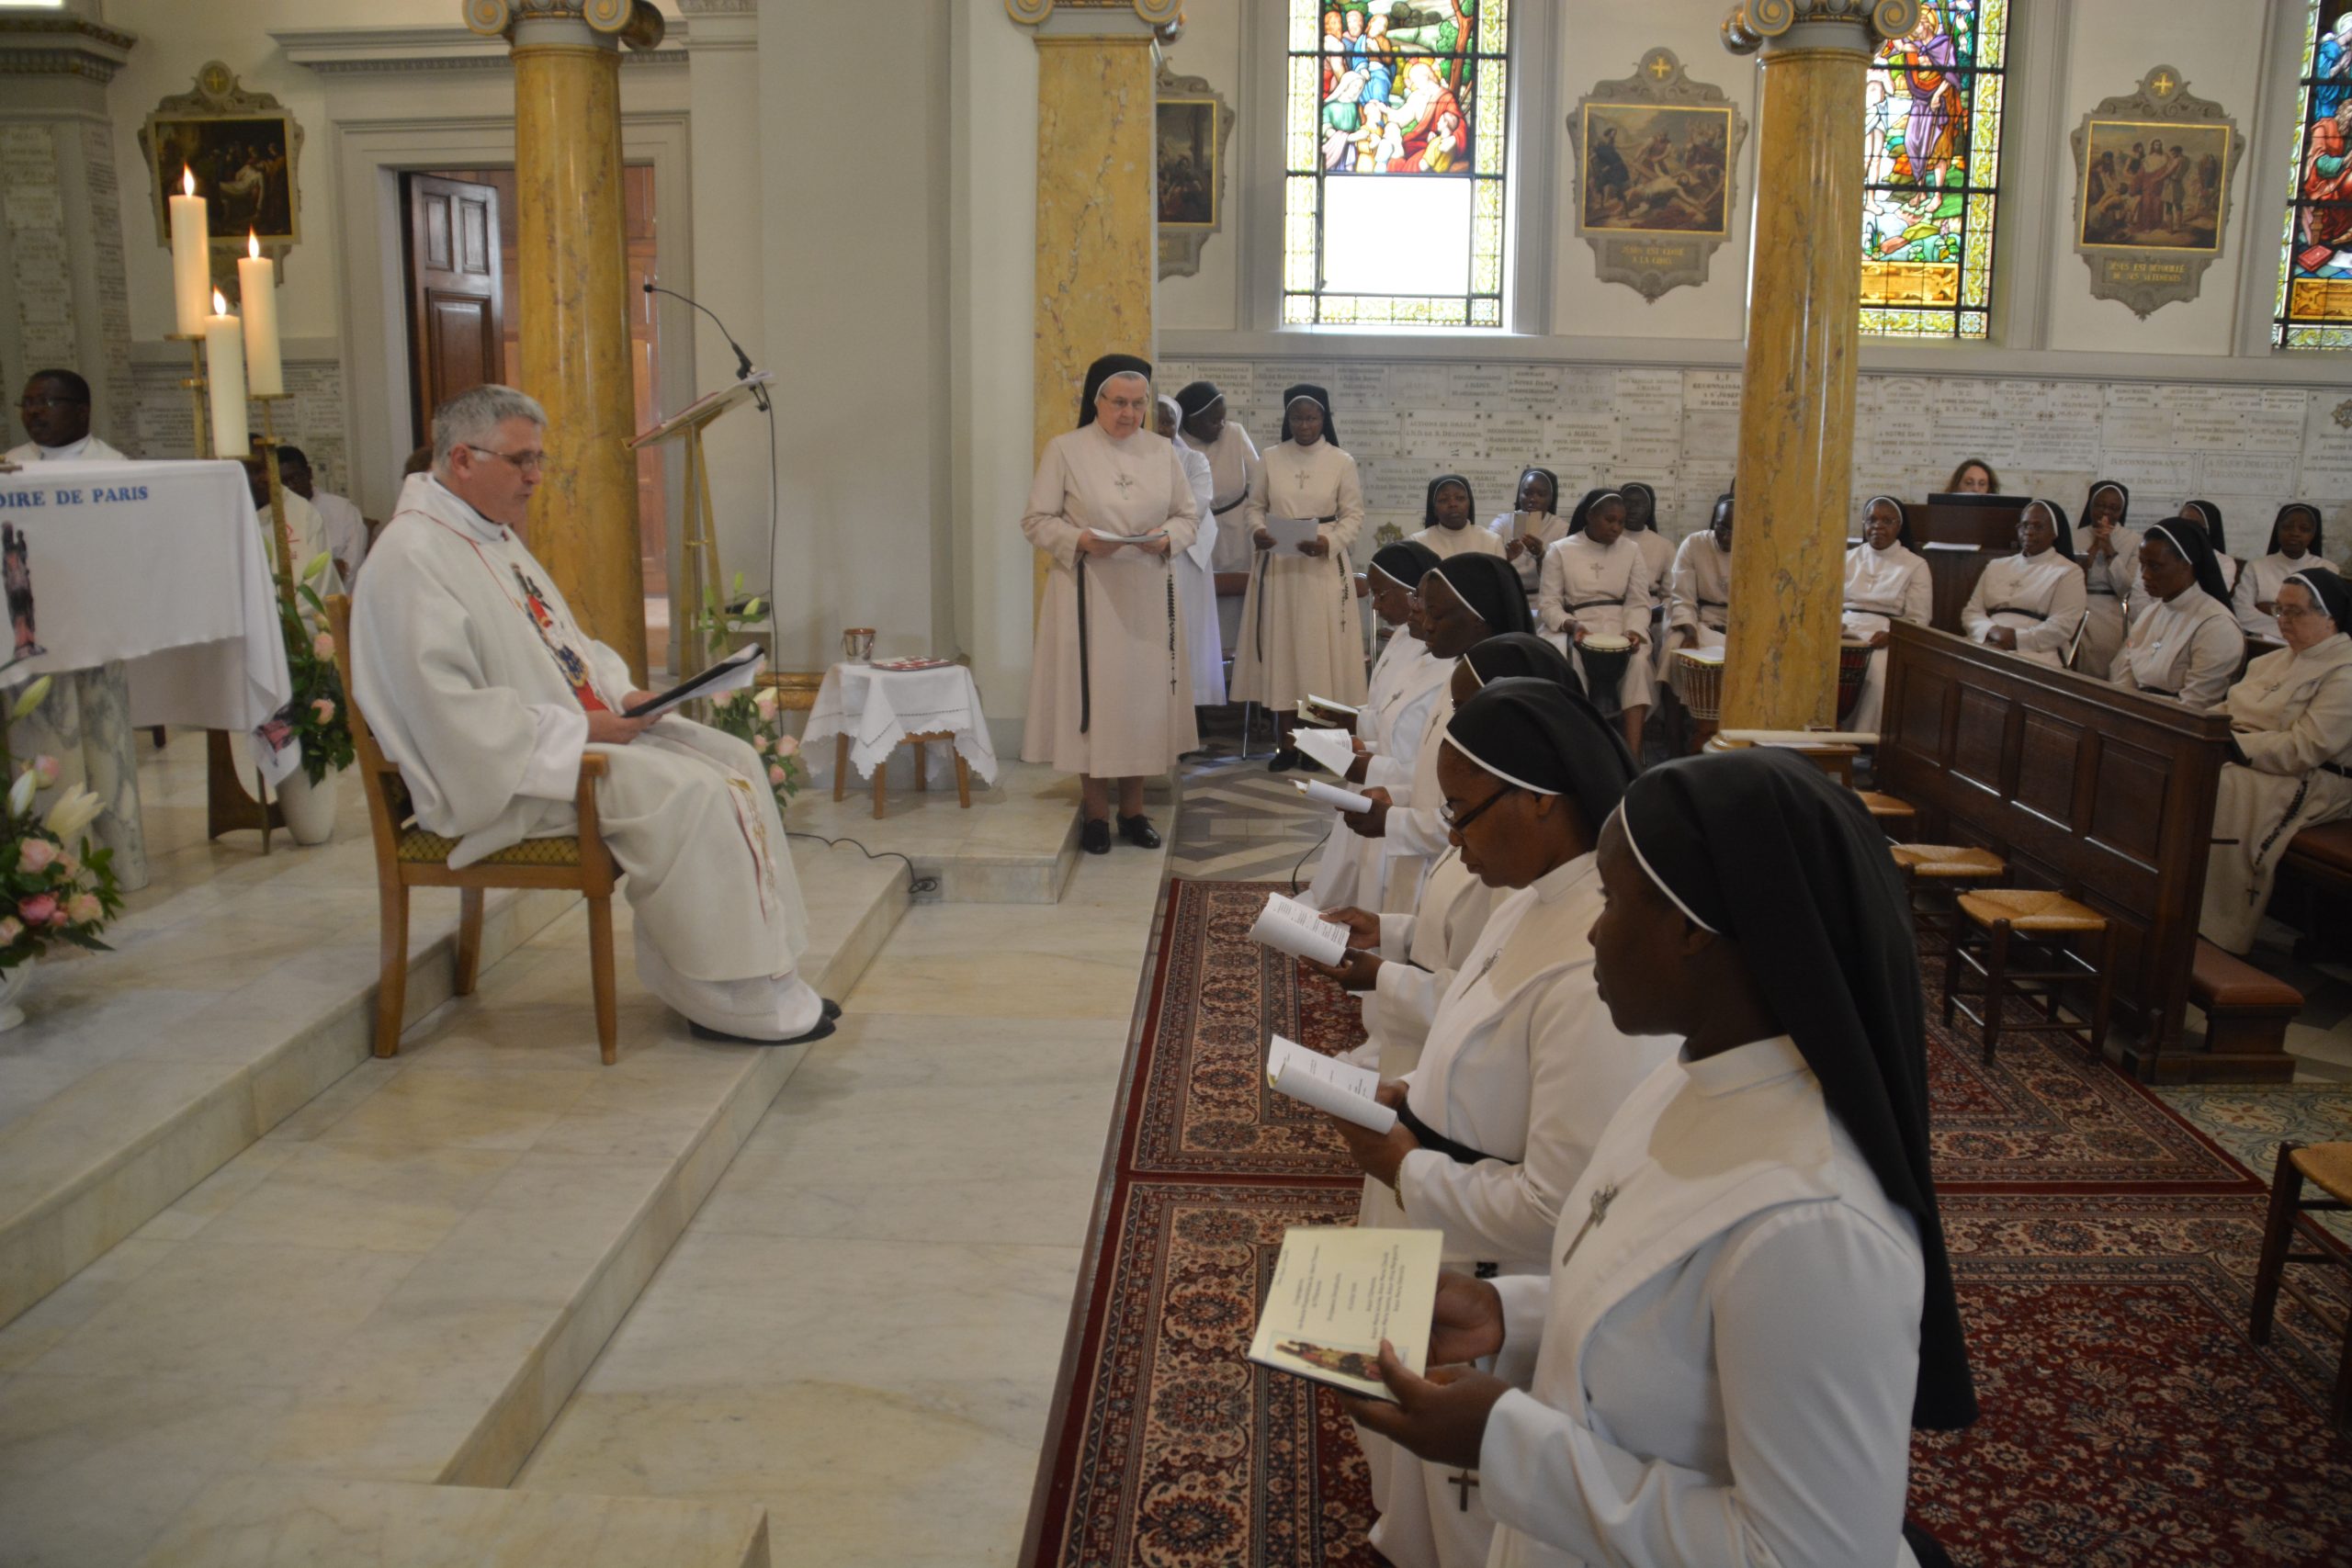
[(55, 411), (304, 528), (346, 529), (482, 686)]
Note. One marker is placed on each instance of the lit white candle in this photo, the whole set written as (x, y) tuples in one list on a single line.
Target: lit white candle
[(257, 296), (224, 370), (191, 257)]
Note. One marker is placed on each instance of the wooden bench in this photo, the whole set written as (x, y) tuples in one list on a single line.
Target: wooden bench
[(2247, 1011), (2319, 860)]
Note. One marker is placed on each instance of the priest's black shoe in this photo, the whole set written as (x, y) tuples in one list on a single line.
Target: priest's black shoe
[(1095, 836), (702, 1031), (1282, 761), (832, 1009), (1138, 831)]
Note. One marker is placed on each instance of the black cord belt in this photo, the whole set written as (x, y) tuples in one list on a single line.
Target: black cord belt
[(2018, 609), (1429, 1138), (1216, 510), (1593, 604)]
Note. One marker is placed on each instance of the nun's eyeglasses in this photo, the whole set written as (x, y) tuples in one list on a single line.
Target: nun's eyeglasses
[(1456, 824)]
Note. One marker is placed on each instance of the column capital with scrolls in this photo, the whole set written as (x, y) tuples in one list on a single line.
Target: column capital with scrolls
[(1855, 26), (1156, 15), (635, 22)]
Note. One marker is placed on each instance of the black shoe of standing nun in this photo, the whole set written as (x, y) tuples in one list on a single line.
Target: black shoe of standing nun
[(1284, 758), (1095, 836), (1137, 831)]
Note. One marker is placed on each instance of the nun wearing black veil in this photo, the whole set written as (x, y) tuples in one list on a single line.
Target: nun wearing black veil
[(1109, 696), (1301, 632), (1522, 1066), (1748, 1307), (2186, 644)]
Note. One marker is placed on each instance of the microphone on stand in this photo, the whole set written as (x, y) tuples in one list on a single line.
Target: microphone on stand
[(742, 360)]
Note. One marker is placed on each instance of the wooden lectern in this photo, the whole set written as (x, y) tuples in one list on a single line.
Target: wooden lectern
[(1958, 539), (700, 554)]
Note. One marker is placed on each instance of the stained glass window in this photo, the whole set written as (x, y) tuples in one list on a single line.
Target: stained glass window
[(1393, 144), (1932, 114), (2314, 306)]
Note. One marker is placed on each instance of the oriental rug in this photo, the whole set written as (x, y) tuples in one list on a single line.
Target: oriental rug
[(2105, 1251)]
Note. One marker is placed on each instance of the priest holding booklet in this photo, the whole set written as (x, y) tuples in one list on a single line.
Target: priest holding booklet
[(478, 682), (1109, 694)]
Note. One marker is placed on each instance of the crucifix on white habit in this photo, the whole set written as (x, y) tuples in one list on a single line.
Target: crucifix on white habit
[(1462, 1484)]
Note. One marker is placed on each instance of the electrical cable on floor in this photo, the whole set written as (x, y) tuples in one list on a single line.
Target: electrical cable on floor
[(1310, 850), (917, 884)]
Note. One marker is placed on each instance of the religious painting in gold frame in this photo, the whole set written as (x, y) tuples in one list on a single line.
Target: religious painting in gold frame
[(244, 151), (1657, 160), (2151, 191), (1190, 129)]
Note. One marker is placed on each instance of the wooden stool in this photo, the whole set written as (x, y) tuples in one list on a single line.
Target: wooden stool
[(2045, 921), (1892, 814), (2327, 1166), (923, 773), (1932, 869)]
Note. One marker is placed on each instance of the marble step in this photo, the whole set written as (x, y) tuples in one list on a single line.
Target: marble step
[(160, 1076), (406, 1280), (255, 1521)]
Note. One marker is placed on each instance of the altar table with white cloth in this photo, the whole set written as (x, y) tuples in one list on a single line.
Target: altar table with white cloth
[(877, 710), (153, 602)]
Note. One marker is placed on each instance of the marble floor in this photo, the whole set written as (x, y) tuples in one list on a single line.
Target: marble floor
[(861, 1326)]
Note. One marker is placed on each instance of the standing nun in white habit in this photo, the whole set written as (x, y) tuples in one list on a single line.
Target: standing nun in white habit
[(1233, 473), (1195, 587), (1597, 584), (1449, 520), (2296, 537), (1533, 527), (1108, 698), (2185, 644), (1886, 581), (1405, 682), (1523, 1068), (1301, 635), (1748, 1307), (2110, 555), (1699, 601), (480, 685), (2030, 604), (1404, 960), (1466, 599), (2290, 755)]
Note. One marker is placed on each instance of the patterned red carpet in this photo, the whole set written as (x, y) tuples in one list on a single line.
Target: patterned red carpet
[(2105, 1250)]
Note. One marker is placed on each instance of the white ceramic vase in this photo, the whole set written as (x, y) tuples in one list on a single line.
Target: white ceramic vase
[(309, 807)]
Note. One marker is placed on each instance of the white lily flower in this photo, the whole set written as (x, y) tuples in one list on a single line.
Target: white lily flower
[(317, 567), (30, 698), (20, 794), (75, 811)]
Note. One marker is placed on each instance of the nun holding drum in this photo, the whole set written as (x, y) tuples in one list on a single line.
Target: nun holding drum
[(2291, 754), (1108, 696), (1747, 1306), (1595, 599), (1522, 1067)]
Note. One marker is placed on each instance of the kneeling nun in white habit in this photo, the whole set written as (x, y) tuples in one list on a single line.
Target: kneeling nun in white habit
[(1886, 581), (2291, 754), (1406, 680), (1747, 1306), (1522, 1067), (480, 685), (2030, 604)]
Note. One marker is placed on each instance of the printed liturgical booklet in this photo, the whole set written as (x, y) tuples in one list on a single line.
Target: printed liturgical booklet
[(1327, 1083), (1288, 926), (1338, 1293)]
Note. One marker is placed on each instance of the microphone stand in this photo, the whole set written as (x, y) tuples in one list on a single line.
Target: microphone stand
[(742, 360)]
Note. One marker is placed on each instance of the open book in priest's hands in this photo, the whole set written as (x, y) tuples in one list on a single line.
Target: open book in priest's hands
[(732, 673), (1338, 1292)]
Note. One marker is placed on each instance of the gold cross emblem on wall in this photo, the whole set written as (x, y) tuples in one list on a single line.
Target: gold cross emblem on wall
[(1660, 68), (2163, 85)]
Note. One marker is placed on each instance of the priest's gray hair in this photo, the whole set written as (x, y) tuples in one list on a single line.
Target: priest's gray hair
[(473, 416)]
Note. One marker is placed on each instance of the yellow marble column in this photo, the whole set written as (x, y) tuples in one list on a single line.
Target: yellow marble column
[(572, 279), (1796, 410), (1096, 240)]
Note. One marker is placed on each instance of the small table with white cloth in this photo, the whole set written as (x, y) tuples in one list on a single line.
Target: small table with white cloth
[(152, 604), (870, 711)]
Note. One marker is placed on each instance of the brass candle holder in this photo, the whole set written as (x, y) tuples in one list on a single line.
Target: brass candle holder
[(198, 386)]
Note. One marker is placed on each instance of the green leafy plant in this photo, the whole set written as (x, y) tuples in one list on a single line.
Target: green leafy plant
[(50, 894), (315, 714), (752, 715)]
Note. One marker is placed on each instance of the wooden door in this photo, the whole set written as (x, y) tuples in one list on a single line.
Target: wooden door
[(455, 297)]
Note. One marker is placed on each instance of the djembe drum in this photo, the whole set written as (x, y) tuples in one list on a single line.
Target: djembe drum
[(1696, 676), (1854, 663), (1604, 657)]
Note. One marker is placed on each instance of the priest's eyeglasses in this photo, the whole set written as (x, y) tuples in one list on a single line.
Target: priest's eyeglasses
[(1456, 824), (523, 461)]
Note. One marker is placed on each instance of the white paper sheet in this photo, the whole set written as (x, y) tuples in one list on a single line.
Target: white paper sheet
[(1328, 1084), (1290, 533), (1288, 926), (1322, 794), (1334, 748)]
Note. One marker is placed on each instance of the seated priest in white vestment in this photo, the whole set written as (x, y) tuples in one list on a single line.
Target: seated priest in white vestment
[(55, 412), (482, 686), (1746, 1308)]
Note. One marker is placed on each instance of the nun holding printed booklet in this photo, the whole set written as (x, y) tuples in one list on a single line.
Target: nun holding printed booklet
[(1747, 1306), (1522, 1066)]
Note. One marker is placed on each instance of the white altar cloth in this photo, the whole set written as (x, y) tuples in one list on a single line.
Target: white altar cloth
[(879, 709)]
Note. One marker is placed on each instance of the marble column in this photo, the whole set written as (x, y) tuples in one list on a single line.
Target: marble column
[(572, 277), (1096, 230), (1796, 415)]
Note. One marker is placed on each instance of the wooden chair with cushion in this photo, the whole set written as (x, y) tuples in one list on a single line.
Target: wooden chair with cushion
[(1995, 918), (407, 855), (2327, 1166)]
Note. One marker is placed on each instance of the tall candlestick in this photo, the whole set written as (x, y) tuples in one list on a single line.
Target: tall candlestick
[(191, 256), (257, 296), (224, 367)]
